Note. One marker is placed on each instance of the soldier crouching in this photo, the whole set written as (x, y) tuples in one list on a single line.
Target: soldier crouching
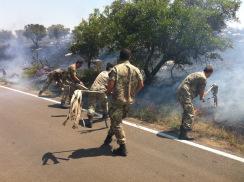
[(58, 76), (73, 83), (192, 86), (99, 85)]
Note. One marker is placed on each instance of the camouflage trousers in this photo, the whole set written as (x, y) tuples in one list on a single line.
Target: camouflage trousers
[(68, 91), (47, 83), (95, 98), (117, 113), (185, 100)]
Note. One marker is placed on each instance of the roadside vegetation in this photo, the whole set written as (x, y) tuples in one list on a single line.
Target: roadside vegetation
[(205, 130)]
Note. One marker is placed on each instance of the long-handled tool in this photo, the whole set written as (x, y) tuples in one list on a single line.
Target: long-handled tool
[(214, 90), (75, 107)]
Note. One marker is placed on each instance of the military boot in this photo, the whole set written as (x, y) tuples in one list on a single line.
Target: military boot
[(121, 151), (183, 134), (63, 105), (90, 121), (105, 116), (107, 140)]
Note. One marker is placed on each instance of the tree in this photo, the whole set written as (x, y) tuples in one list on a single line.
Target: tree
[(185, 31), (5, 36), (57, 31), (35, 32), (88, 40), (157, 31)]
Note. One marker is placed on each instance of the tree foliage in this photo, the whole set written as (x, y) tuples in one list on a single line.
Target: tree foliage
[(88, 40), (57, 31), (156, 31), (35, 33)]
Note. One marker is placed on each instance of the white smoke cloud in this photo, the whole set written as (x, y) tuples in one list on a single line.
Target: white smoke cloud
[(240, 15), (230, 78)]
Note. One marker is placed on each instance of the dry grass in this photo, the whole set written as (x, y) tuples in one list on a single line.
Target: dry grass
[(218, 136), (204, 131)]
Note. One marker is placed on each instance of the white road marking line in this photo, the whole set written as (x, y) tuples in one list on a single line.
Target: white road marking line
[(33, 95), (162, 134), (159, 133)]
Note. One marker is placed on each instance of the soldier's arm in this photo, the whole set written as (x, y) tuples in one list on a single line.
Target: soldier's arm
[(111, 84), (202, 90), (111, 81), (59, 81), (201, 94), (140, 81), (75, 78), (140, 85)]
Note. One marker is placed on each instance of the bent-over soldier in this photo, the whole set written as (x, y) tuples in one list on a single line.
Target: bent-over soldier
[(191, 87), (73, 81), (58, 76), (100, 84)]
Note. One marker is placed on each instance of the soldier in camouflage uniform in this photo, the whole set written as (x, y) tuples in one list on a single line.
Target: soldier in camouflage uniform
[(192, 86), (100, 84), (59, 76), (125, 80), (73, 81)]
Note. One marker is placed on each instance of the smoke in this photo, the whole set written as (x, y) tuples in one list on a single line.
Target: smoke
[(14, 58), (229, 76), (17, 54)]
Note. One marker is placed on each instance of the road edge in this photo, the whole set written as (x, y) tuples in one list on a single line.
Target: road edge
[(156, 132)]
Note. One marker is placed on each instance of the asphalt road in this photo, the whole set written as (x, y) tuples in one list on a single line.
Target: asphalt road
[(31, 133)]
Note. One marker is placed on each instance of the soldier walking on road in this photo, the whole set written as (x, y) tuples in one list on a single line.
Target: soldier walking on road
[(125, 80), (192, 86), (74, 82), (59, 76), (100, 84)]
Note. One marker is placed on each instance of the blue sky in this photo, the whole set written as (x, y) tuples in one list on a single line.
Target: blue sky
[(14, 14)]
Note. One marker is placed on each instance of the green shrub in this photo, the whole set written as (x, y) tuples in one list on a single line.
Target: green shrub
[(88, 76), (31, 71)]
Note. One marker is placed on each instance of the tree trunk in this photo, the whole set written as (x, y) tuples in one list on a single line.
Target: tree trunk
[(146, 66), (89, 64), (156, 69), (159, 65)]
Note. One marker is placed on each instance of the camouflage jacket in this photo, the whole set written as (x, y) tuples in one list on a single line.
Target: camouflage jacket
[(58, 75), (72, 71), (101, 82), (126, 77), (193, 84)]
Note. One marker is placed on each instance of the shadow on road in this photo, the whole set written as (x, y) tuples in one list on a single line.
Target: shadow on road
[(172, 133), (49, 96), (49, 156), (59, 116), (56, 106), (91, 130), (86, 122), (77, 154), (91, 152)]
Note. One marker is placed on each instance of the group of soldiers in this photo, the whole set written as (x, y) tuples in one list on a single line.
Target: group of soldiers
[(66, 80), (122, 82)]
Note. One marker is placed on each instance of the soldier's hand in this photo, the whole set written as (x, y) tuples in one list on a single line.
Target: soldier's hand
[(108, 93)]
